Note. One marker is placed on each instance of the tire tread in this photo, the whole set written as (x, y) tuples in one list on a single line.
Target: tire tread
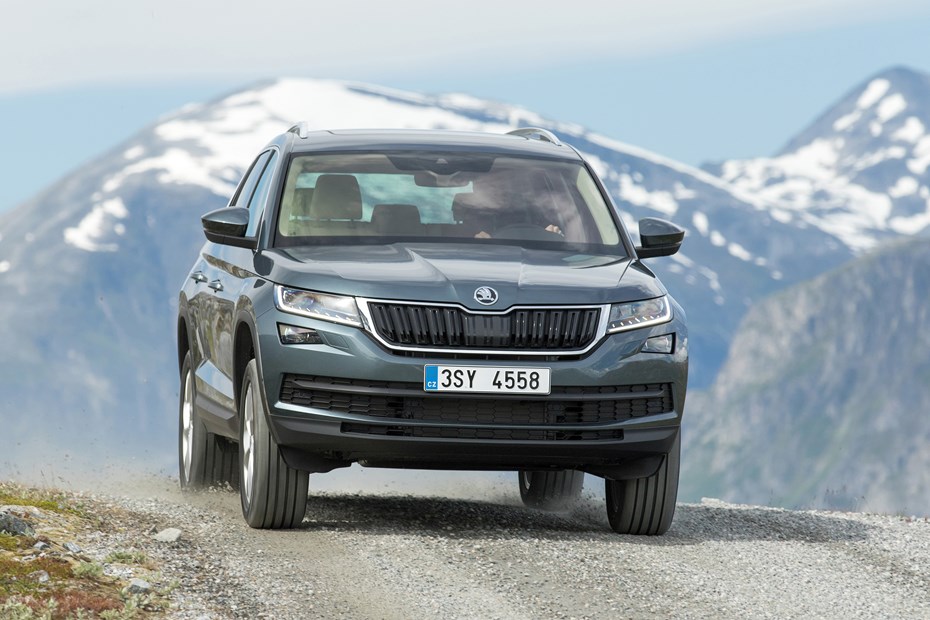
[(552, 490), (280, 492), (645, 506)]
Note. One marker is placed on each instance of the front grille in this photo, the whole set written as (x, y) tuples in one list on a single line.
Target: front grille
[(408, 401), (444, 432), (543, 329)]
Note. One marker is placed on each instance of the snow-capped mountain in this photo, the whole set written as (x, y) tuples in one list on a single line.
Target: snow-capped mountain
[(861, 172), (91, 268)]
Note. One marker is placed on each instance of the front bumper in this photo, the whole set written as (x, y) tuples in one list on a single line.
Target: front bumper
[(319, 437)]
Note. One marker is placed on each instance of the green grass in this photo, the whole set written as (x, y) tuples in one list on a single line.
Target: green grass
[(14, 575), (8, 542), (128, 557), (51, 501), (88, 570)]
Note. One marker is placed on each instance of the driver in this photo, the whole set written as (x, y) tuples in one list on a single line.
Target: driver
[(499, 201)]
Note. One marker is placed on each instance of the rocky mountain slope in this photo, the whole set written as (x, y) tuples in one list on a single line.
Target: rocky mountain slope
[(90, 268), (825, 396)]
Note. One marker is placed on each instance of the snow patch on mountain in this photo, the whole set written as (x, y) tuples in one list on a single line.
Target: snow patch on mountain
[(660, 201), (134, 152), (700, 175), (847, 121), (910, 225), (890, 107), (739, 251), (700, 222), (872, 93), (683, 193), (911, 131), (905, 186), (874, 158), (921, 157), (182, 167), (96, 226)]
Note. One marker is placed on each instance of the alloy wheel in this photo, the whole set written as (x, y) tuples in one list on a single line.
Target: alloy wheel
[(248, 445), (187, 426)]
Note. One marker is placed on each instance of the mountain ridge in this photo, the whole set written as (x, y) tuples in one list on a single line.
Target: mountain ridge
[(822, 401)]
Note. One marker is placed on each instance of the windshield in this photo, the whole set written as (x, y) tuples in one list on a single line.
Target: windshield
[(443, 197)]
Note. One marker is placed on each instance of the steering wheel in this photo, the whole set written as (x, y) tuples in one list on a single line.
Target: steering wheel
[(526, 232)]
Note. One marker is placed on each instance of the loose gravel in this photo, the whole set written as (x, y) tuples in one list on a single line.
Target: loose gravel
[(377, 555)]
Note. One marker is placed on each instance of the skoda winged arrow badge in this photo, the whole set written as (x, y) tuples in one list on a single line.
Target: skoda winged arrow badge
[(485, 295)]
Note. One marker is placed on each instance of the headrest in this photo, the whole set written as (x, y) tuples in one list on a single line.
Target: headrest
[(395, 217), (303, 196), (336, 197), (466, 204), (396, 213)]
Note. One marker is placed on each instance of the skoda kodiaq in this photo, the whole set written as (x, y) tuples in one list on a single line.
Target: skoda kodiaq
[(430, 299)]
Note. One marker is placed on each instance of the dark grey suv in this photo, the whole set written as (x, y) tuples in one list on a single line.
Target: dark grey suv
[(436, 300)]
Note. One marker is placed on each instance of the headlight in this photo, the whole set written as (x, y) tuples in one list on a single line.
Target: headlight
[(636, 314), (335, 308)]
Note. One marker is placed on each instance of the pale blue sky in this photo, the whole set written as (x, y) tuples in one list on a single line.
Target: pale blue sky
[(722, 82)]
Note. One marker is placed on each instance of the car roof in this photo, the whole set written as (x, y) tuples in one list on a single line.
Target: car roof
[(413, 139)]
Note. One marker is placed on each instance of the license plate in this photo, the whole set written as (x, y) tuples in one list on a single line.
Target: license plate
[(486, 379)]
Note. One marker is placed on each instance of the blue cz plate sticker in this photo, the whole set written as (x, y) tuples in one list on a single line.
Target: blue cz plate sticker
[(486, 379)]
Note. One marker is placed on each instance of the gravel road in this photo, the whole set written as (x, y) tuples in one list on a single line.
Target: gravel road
[(481, 555)]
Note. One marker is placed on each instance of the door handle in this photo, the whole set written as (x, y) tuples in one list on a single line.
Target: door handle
[(198, 276), (216, 285)]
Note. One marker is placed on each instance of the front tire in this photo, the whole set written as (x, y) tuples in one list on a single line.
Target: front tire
[(645, 506), (273, 495), (550, 490)]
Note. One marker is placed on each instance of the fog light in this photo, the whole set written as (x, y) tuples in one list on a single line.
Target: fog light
[(291, 334), (659, 344)]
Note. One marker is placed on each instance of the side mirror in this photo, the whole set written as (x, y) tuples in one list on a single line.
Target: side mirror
[(227, 226), (658, 237)]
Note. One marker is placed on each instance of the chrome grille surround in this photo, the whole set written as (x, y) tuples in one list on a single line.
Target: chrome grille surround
[(366, 309)]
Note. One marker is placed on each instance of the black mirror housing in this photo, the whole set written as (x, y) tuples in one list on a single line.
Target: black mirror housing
[(228, 226), (659, 237)]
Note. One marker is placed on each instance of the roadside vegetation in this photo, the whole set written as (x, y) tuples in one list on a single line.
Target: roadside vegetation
[(46, 574)]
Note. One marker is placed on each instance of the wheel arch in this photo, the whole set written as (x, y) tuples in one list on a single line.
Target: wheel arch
[(245, 348), (183, 339)]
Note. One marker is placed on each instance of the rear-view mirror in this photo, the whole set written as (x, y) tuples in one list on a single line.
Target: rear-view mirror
[(658, 237), (228, 226)]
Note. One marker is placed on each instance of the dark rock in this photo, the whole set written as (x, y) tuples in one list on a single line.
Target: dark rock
[(14, 525), (138, 586), (72, 548)]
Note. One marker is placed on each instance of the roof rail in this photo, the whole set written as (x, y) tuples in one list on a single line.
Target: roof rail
[(536, 133), (302, 129)]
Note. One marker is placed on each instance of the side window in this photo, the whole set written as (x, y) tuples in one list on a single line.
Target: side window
[(260, 196), (248, 185)]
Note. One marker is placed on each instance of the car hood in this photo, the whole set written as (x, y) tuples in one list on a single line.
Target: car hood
[(451, 273)]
